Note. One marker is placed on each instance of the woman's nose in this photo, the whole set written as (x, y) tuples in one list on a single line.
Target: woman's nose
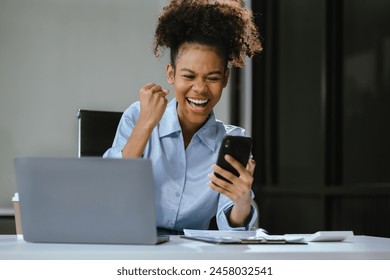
[(199, 85)]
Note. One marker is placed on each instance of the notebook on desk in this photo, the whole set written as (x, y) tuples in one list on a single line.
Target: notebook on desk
[(87, 200)]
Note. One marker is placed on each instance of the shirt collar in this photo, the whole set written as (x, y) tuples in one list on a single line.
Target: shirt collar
[(208, 132), (170, 124)]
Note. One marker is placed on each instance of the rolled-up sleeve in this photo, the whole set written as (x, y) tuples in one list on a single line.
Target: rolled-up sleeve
[(224, 208), (125, 127)]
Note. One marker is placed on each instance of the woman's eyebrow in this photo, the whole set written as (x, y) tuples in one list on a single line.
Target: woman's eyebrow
[(193, 72), (187, 70)]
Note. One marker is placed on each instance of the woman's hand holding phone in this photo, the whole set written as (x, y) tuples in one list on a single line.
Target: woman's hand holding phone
[(235, 183), (239, 147)]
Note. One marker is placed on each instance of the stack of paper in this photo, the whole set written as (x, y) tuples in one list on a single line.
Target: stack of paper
[(219, 236), (236, 237), (260, 236)]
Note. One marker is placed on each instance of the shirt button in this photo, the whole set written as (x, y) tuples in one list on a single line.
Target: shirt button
[(177, 194)]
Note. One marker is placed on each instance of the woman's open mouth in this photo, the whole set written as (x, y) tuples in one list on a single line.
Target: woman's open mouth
[(197, 103)]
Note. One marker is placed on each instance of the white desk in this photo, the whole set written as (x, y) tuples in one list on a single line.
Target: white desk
[(358, 247)]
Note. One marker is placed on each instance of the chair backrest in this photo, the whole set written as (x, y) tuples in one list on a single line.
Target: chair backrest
[(96, 131)]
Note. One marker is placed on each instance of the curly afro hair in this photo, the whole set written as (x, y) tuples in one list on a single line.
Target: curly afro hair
[(223, 24)]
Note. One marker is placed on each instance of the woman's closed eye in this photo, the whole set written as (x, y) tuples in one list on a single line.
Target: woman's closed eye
[(214, 79), (189, 77)]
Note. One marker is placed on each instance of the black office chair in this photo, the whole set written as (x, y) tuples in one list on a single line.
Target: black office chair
[(96, 131)]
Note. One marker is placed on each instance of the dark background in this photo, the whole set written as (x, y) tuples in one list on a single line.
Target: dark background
[(321, 116)]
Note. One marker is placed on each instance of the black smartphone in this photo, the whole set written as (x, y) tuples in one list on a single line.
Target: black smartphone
[(239, 147)]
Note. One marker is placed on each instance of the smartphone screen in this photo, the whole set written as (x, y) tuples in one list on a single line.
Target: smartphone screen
[(239, 147)]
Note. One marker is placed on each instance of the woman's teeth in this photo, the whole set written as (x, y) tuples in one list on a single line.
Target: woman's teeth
[(198, 102)]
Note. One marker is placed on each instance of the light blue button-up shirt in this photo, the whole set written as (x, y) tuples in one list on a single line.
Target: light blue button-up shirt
[(183, 198)]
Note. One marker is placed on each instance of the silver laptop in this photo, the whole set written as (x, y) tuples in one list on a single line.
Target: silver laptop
[(87, 200)]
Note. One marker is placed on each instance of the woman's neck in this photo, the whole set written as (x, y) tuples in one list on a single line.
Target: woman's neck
[(188, 132)]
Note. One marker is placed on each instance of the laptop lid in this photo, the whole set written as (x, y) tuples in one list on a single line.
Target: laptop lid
[(86, 200)]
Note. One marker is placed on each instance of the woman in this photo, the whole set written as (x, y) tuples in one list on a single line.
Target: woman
[(182, 138)]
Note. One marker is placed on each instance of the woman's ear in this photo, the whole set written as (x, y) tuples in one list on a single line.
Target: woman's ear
[(226, 77), (170, 73)]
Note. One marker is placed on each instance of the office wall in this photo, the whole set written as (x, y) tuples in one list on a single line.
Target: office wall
[(57, 56)]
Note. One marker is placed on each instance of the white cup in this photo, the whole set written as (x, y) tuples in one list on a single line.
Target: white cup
[(18, 222)]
